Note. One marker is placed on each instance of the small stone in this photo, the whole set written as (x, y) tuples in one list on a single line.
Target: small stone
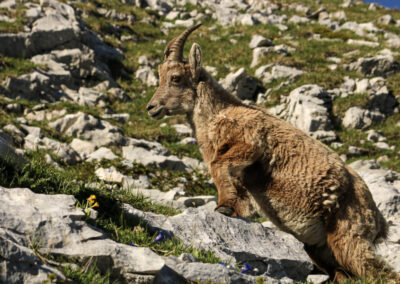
[(182, 130), (362, 86), (110, 175), (382, 146), (336, 145), (185, 23), (188, 140), (259, 41), (385, 20), (298, 20), (355, 151), (382, 159), (187, 257), (317, 278)]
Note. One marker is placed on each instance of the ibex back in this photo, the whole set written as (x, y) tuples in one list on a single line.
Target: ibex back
[(301, 185)]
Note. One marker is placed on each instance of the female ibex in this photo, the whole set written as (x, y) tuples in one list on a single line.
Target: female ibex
[(301, 185)]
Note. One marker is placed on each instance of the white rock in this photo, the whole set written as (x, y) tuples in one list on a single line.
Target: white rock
[(362, 86), (110, 175), (101, 153), (259, 41), (385, 20), (185, 23), (307, 109), (356, 117), (188, 140), (146, 75), (375, 136), (298, 20), (182, 129), (277, 72), (363, 42), (57, 225), (150, 158), (84, 148), (240, 84), (382, 146)]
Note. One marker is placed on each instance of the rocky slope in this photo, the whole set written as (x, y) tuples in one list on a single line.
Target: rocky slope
[(93, 191)]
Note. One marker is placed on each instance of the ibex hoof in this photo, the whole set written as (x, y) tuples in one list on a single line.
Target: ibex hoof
[(227, 211)]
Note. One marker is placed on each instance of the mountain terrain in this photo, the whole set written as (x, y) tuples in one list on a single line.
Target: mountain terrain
[(94, 191)]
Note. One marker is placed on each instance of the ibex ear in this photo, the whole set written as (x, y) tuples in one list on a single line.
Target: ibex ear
[(195, 61)]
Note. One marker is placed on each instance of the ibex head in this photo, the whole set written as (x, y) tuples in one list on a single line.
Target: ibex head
[(176, 93)]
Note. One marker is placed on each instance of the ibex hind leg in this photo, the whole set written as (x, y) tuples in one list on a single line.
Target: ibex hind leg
[(323, 258), (355, 254)]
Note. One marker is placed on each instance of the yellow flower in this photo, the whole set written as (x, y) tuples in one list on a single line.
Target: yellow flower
[(95, 205), (92, 198), (275, 38)]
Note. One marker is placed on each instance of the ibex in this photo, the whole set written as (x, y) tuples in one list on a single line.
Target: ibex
[(300, 184)]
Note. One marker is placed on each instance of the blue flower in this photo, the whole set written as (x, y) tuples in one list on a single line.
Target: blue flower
[(223, 264), (160, 237), (246, 268)]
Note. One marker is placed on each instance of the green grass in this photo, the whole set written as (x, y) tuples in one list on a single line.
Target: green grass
[(42, 178), (19, 19), (341, 105), (91, 275), (14, 67)]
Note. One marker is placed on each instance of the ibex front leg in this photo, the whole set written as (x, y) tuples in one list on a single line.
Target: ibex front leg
[(228, 171)]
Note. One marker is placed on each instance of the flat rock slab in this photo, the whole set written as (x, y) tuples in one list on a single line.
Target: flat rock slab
[(274, 253), (54, 225), (175, 271)]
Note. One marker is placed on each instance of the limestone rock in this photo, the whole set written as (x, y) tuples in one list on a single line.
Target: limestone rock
[(259, 41), (84, 148), (99, 132), (386, 196), (101, 153), (146, 75), (109, 175), (359, 118), (308, 109), (150, 158), (7, 152), (260, 52), (268, 73), (55, 222), (234, 240), (240, 84), (183, 130), (380, 65)]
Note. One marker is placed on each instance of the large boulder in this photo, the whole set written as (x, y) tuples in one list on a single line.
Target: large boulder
[(380, 65), (308, 108), (99, 132), (385, 189), (234, 240), (53, 225), (50, 32)]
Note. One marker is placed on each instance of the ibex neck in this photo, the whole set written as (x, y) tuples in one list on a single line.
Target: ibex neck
[(211, 99)]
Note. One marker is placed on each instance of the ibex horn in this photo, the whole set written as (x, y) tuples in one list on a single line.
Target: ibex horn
[(174, 49)]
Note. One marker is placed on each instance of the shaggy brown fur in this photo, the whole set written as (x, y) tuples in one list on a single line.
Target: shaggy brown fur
[(301, 185)]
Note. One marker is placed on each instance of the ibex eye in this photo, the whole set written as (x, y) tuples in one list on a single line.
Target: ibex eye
[(175, 79)]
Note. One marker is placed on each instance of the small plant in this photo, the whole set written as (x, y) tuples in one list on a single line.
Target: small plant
[(90, 203)]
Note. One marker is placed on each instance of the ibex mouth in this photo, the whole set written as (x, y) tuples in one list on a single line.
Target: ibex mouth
[(157, 113)]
